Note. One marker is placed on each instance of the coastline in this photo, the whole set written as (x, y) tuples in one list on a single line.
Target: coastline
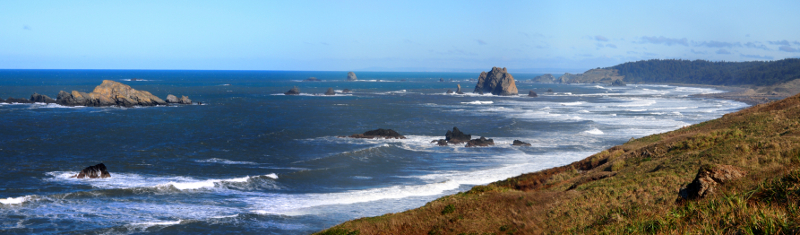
[(751, 95)]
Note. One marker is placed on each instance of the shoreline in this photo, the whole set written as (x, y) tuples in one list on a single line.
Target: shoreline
[(745, 94)]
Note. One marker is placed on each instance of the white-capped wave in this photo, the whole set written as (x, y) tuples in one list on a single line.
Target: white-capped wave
[(594, 131), (571, 103), (478, 102), (225, 161), (15, 200), (127, 180)]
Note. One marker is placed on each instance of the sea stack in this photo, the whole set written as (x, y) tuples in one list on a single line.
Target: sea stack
[(293, 91), (109, 93), (330, 91), (498, 82), (459, 89), (532, 94), (351, 76)]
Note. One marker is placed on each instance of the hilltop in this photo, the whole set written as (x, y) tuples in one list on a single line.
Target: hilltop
[(633, 187)]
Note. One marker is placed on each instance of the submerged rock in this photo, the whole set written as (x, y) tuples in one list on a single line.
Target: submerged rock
[(346, 90), (41, 98), (293, 91), (708, 176), (330, 91), (520, 143), (618, 82), (498, 82), (532, 94), (378, 134), (441, 79), (96, 171), (109, 93), (481, 142), (351, 76), (311, 79)]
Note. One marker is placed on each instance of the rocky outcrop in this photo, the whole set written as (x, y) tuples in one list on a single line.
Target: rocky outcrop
[(605, 76), (185, 100), (549, 90), (311, 79), (351, 76), (96, 171), (618, 82), (293, 91), (459, 89), (456, 136), (39, 98), (481, 142), (441, 142), (330, 91), (17, 100), (172, 99), (498, 82), (378, 134), (450, 91), (546, 78), (346, 90), (441, 79), (520, 143), (109, 93), (708, 177), (532, 94)]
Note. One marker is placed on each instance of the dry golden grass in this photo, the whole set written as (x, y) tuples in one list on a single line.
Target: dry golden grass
[(633, 188)]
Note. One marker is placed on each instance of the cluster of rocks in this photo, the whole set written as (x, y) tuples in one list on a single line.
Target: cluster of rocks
[(497, 81), (457, 137), (330, 91), (377, 134), (109, 93)]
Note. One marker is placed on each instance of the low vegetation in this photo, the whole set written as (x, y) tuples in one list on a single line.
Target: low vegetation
[(633, 188), (759, 73)]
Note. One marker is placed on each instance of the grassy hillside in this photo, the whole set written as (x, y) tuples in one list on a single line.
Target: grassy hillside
[(633, 188)]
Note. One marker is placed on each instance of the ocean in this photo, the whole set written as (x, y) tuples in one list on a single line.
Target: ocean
[(252, 160)]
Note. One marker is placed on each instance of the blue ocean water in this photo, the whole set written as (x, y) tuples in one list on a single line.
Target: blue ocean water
[(252, 160)]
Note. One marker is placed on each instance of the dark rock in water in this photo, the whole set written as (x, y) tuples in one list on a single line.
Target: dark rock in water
[(520, 143), (311, 79), (441, 142), (618, 83), (2, 100), (378, 134), (330, 91), (134, 79), (549, 90), (459, 89), (351, 76), (708, 176), (402, 80), (532, 94), (456, 136), (346, 90), (441, 79), (17, 100), (41, 98), (482, 142), (109, 93), (96, 171), (498, 82), (293, 91), (172, 99), (450, 91)]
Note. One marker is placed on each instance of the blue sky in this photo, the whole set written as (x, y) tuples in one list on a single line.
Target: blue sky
[(532, 36)]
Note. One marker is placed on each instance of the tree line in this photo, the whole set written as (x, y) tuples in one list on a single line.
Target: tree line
[(760, 73)]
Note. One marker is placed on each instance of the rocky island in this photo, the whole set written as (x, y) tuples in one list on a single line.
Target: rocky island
[(109, 93), (351, 76), (498, 82), (377, 134)]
